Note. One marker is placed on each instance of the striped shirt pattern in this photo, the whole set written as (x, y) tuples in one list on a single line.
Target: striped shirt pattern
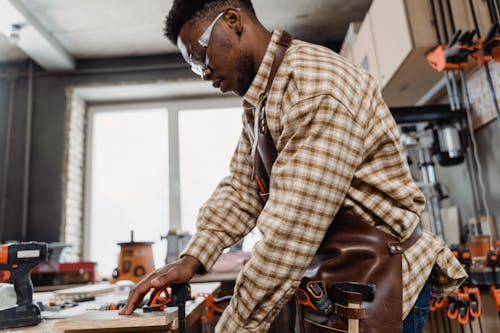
[(338, 147)]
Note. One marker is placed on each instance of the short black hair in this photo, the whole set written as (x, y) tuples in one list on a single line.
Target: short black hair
[(184, 10)]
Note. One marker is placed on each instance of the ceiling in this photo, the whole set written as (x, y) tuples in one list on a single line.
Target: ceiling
[(118, 28)]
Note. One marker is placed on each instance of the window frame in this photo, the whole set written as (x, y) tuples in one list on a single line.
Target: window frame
[(173, 107)]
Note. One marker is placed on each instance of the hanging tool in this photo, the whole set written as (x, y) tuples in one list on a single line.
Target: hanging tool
[(19, 259), (441, 304), (493, 261), (452, 306), (475, 305), (348, 297), (311, 295), (463, 309), (448, 59)]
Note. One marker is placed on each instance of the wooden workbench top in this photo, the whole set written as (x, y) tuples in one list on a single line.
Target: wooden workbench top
[(110, 321)]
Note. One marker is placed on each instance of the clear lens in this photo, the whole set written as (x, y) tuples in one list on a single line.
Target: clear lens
[(198, 65)]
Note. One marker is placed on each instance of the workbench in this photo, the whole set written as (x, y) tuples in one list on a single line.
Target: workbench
[(80, 319)]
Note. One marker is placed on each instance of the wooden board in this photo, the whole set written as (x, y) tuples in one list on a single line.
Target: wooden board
[(111, 321)]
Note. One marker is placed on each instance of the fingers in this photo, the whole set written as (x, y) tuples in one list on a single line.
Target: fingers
[(137, 293), (180, 271), (163, 280), (134, 299)]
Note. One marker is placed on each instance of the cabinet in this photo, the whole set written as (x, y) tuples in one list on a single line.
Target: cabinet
[(393, 39)]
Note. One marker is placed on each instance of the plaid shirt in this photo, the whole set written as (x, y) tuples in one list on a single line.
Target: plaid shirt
[(338, 146)]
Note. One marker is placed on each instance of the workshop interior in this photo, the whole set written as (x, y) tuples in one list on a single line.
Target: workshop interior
[(109, 146)]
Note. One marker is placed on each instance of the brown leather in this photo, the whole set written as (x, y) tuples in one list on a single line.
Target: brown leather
[(350, 313), (283, 43), (355, 251), (267, 152), (400, 247)]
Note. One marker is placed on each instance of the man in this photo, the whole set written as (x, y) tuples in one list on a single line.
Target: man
[(338, 151)]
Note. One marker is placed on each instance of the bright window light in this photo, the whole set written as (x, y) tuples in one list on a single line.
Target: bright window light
[(207, 139), (128, 183)]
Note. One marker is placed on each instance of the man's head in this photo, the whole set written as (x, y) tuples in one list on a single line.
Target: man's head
[(217, 38)]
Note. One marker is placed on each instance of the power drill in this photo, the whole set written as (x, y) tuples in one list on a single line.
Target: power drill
[(19, 259)]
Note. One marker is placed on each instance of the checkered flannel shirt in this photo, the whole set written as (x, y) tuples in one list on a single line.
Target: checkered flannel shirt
[(338, 146)]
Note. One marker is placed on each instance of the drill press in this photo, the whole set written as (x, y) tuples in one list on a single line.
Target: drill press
[(19, 259)]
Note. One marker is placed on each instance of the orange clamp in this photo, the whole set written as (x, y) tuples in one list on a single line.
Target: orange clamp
[(495, 294), (158, 300)]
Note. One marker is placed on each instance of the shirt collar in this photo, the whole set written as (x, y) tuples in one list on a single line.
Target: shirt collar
[(258, 85)]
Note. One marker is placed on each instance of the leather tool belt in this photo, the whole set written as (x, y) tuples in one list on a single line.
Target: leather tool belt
[(354, 251)]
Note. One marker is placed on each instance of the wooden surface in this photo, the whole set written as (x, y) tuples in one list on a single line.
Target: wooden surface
[(110, 321)]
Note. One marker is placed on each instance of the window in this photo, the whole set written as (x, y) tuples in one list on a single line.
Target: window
[(150, 170), (128, 187), (207, 139)]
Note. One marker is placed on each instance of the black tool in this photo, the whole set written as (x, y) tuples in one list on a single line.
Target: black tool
[(310, 294), (180, 294), (19, 260)]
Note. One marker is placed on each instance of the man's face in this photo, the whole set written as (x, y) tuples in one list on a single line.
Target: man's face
[(215, 51)]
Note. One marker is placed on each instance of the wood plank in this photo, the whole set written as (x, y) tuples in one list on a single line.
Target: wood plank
[(111, 321)]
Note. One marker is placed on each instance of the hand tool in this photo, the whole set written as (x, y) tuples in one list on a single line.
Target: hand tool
[(352, 293), (311, 295), (452, 306), (19, 259), (475, 306), (463, 309), (441, 304), (161, 298), (492, 261), (180, 294)]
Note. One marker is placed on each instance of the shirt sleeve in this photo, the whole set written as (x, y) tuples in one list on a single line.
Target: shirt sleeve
[(230, 212), (320, 147)]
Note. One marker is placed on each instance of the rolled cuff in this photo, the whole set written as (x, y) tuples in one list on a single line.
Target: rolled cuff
[(205, 247)]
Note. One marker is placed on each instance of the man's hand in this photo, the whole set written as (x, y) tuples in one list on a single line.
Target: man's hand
[(180, 271)]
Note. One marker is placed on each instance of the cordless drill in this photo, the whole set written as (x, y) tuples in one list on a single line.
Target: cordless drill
[(19, 259)]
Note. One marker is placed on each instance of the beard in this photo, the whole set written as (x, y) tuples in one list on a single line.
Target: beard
[(246, 74)]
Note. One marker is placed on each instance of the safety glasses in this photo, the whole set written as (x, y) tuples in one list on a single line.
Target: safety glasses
[(199, 62)]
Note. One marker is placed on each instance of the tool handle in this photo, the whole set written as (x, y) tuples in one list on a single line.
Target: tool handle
[(182, 317), (310, 294)]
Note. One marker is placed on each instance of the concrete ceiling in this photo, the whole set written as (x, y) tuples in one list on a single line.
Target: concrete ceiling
[(117, 28)]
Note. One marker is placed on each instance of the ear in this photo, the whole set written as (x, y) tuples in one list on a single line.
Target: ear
[(232, 17)]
